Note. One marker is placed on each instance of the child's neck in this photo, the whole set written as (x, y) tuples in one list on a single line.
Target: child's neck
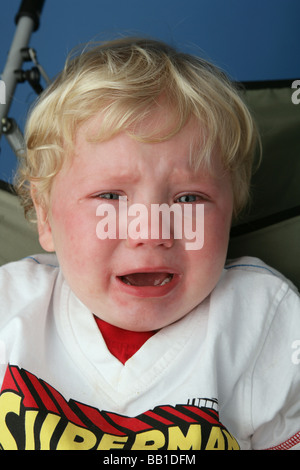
[(123, 344)]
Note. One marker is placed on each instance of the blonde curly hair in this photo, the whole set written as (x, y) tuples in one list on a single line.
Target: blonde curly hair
[(125, 79)]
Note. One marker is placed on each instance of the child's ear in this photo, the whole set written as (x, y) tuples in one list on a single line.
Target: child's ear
[(43, 223)]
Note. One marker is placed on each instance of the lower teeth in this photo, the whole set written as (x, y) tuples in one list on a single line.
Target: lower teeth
[(165, 281), (156, 283)]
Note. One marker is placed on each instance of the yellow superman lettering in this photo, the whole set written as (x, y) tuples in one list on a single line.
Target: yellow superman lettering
[(109, 441), (9, 403), (188, 441), (149, 440), (47, 429), (30, 417), (216, 439), (231, 441), (76, 438)]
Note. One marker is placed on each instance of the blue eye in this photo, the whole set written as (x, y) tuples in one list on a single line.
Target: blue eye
[(188, 198), (109, 196)]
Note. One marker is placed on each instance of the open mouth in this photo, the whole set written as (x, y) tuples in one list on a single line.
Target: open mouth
[(153, 279), (148, 283)]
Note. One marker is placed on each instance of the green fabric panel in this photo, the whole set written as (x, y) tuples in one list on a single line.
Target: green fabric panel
[(277, 245), (276, 184), (17, 237)]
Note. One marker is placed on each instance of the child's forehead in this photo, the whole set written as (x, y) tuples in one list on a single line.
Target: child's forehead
[(123, 143), (119, 161), (188, 142), (159, 126)]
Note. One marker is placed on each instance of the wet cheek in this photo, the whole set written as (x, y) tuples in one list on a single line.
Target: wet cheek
[(208, 262), (69, 232)]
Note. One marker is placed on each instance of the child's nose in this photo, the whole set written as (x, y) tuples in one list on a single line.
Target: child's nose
[(149, 226)]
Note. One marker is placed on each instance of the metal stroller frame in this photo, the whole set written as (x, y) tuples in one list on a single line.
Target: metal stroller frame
[(27, 21)]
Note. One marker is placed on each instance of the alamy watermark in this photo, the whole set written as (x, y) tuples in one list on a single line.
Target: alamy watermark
[(2, 92), (2, 353), (296, 94), (139, 223), (296, 353)]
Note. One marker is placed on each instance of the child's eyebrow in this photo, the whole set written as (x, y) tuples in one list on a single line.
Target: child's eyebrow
[(175, 176), (117, 178)]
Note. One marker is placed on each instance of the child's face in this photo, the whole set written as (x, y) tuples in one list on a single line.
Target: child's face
[(177, 278)]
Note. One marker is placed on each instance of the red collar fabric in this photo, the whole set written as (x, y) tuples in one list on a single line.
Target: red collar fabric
[(123, 344)]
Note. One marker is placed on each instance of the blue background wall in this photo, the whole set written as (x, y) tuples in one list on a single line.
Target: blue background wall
[(249, 39)]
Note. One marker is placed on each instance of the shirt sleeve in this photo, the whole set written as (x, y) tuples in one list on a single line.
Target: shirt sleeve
[(276, 378)]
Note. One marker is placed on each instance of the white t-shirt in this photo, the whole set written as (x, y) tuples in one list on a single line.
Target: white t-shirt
[(227, 375)]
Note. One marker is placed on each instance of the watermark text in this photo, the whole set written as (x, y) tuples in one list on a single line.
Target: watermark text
[(2, 92), (296, 93), (296, 353), (2, 353), (162, 221)]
